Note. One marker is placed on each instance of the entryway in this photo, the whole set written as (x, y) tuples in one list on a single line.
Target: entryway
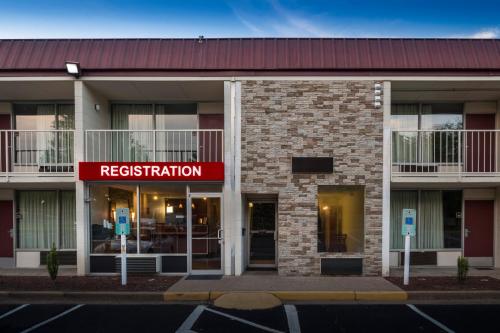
[(478, 232), (262, 234), (205, 211), (6, 234)]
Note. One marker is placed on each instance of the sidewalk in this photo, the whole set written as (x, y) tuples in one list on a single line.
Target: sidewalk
[(445, 271)]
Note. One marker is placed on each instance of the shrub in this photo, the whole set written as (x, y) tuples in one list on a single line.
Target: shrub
[(52, 262), (462, 269)]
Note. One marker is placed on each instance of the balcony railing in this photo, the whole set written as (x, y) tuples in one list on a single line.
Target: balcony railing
[(154, 145), (445, 153), (36, 152)]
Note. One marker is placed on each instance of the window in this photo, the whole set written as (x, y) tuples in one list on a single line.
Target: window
[(137, 144), (45, 218), (340, 219), (162, 226), (105, 201), (418, 135), (438, 218), (44, 147), (163, 219)]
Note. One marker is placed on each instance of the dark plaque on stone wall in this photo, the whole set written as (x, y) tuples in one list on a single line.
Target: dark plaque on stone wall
[(312, 164)]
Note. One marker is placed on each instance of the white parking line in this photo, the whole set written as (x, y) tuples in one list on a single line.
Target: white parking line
[(292, 318), (189, 322), (264, 328), (52, 319), (13, 311), (429, 318)]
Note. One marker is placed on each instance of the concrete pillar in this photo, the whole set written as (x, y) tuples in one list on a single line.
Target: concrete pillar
[(81, 228), (86, 117), (232, 179), (386, 182)]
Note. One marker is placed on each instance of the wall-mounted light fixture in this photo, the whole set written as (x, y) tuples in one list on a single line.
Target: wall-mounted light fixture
[(97, 107), (377, 92), (73, 68)]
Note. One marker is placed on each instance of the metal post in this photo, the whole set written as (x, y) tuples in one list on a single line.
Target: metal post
[(406, 276), (124, 259)]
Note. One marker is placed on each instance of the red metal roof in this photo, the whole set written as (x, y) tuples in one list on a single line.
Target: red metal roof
[(251, 54)]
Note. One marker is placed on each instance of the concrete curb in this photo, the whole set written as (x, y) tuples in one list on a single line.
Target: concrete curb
[(207, 296), (200, 296), (454, 295), (92, 295), (172, 296)]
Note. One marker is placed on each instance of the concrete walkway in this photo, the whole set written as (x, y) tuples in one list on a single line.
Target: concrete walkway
[(285, 283), (445, 271)]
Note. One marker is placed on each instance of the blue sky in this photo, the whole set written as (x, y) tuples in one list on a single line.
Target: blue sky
[(262, 18)]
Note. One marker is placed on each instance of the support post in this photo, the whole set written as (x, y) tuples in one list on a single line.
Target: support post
[(406, 276), (123, 241)]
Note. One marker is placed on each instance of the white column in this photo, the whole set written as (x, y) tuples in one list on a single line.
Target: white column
[(81, 218), (86, 117), (386, 181), (237, 204), (232, 181), (228, 174)]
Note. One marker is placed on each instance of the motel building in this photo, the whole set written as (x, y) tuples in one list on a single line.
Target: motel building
[(294, 155)]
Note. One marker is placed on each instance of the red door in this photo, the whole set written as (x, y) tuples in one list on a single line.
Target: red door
[(4, 124), (6, 229), (210, 141), (478, 228), (480, 145)]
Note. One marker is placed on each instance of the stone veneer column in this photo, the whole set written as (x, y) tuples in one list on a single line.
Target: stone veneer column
[(286, 118)]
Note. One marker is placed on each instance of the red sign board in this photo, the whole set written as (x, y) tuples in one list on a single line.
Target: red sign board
[(159, 171)]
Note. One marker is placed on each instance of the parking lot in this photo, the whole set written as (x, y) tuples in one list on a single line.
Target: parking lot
[(140, 318)]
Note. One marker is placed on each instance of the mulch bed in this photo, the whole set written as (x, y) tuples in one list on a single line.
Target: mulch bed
[(447, 283), (86, 283)]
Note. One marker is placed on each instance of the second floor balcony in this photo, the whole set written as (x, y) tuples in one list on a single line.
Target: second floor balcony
[(199, 145), (462, 154), (29, 153)]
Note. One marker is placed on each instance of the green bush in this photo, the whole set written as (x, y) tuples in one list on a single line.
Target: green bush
[(462, 269), (53, 262)]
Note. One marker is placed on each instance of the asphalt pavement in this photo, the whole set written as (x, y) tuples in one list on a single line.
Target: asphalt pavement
[(183, 318)]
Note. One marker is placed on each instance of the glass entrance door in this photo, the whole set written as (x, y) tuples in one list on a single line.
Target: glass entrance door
[(206, 234), (262, 234)]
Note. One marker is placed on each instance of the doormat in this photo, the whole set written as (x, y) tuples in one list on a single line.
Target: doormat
[(262, 269), (483, 268), (204, 277)]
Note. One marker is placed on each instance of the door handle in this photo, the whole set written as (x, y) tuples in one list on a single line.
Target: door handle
[(219, 233), (11, 233), (467, 232)]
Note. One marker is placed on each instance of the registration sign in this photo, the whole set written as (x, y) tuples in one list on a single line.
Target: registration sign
[(151, 171), (122, 225), (408, 223)]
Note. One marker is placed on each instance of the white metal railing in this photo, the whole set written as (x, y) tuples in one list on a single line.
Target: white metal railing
[(445, 152), (154, 145), (36, 152)]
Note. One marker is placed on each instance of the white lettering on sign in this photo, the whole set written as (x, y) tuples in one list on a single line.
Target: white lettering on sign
[(150, 171)]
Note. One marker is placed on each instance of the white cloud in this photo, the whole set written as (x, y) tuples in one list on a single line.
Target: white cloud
[(295, 25), (252, 27), (487, 33)]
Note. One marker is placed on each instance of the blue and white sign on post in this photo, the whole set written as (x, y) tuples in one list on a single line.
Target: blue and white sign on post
[(409, 222), (408, 229), (122, 228)]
